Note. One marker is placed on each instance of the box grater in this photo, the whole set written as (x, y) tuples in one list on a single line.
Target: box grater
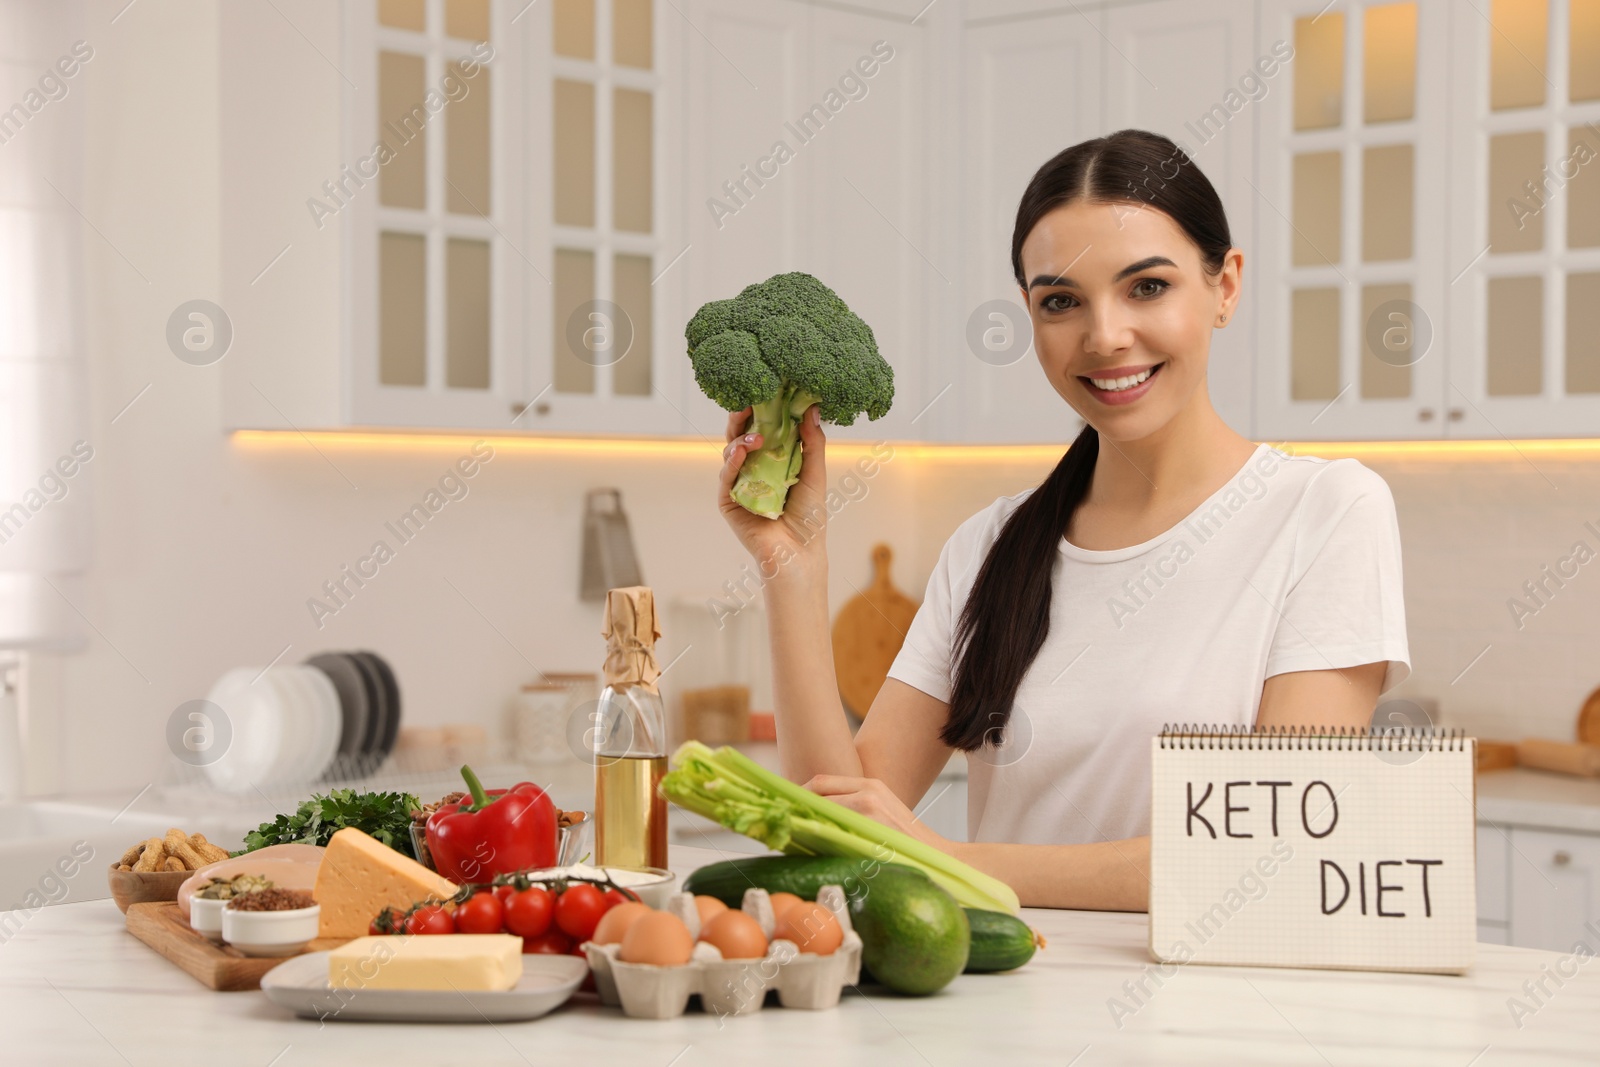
[(609, 561)]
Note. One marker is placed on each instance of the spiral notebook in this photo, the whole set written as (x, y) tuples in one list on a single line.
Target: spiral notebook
[(1302, 847)]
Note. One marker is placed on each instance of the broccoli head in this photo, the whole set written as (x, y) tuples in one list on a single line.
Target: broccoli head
[(778, 347)]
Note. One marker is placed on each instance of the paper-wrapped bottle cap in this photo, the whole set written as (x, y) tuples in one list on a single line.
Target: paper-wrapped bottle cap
[(630, 631)]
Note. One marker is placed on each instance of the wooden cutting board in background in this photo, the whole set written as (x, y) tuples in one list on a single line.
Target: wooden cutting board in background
[(1589, 720), (867, 634)]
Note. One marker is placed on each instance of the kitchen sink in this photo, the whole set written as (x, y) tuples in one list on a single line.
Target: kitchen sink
[(41, 841)]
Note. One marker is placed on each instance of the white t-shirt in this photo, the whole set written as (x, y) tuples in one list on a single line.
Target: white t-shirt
[(1294, 565)]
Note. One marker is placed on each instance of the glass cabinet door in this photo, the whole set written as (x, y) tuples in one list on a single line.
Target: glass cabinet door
[(1525, 233), (1348, 282), (604, 290), (508, 245), (432, 218)]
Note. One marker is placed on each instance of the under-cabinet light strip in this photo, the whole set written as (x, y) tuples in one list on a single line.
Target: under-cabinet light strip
[(705, 447)]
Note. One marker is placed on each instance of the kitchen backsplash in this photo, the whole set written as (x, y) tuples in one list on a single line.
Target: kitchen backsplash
[(221, 568)]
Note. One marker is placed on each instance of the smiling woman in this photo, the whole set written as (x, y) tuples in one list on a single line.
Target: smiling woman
[(1166, 570)]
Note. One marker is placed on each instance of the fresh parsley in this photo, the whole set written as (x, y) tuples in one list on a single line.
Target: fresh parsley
[(385, 816)]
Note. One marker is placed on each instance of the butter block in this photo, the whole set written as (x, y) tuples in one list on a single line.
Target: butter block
[(468, 962), (360, 876)]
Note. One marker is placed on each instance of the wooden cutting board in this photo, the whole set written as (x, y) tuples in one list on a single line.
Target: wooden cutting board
[(1495, 756), (222, 967), (1589, 720), (1562, 757), (868, 633)]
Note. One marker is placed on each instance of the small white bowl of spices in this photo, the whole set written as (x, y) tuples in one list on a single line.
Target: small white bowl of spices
[(271, 922)]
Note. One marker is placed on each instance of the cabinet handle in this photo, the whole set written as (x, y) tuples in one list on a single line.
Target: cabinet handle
[(1456, 415), (1425, 415), (541, 408), (1561, 858)]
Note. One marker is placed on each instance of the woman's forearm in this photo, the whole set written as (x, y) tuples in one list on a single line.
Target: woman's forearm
[(813, 737), (1105, 876)]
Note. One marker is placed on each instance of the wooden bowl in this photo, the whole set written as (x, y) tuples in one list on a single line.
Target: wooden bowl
[(144, 887)]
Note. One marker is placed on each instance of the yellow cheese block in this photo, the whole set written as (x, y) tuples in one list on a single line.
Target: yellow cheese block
[(468, 962), (360, 876)]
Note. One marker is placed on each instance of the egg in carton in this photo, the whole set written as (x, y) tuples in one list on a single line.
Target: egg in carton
[(731, 987)]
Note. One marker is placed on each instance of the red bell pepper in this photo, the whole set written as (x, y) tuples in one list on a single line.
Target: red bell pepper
[(494, 831)]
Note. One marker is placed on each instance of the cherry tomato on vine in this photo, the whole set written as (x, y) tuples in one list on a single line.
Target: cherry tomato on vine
[(505, 892), (578, 910), (552, 943), (527, 914), (482, 914), (430, 919), (615, 897)]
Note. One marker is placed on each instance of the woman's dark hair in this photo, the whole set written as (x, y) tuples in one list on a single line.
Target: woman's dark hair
[(1006, 617)]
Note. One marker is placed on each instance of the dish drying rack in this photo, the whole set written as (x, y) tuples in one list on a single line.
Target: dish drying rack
[(184, 787)]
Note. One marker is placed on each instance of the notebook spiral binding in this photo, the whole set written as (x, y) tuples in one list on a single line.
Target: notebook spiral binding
[(1315, 738)]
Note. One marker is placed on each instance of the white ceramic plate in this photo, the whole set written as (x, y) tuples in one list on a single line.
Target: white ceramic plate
[(295, 726), (252, 721), (301, 985), (330, 722), (306, 731)]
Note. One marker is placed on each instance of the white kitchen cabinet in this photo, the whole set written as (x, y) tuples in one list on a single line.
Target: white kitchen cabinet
[(805, 150), (1555, 888), (1476, 316), (1035, 86), (1524, 253), (1350, 283), (1493, 933), (454, 247), (1494, 875), (1493, 884), (1188, 71), (1032, 87), (1376, 304)]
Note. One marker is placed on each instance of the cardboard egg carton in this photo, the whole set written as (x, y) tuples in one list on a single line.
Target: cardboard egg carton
[(731, 987)]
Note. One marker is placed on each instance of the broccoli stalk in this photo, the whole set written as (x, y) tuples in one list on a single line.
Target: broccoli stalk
[(769, 471), (777, 348)]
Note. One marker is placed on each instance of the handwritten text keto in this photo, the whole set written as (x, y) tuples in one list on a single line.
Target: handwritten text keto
[(1247, 809)]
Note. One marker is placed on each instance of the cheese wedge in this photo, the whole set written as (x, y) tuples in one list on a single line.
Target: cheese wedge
[(466, 962), (360, 876)]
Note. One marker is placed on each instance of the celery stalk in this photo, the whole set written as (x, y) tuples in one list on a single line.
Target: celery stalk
[(730, 788)]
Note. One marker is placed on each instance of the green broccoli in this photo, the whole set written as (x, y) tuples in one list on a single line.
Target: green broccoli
[(779, 347)]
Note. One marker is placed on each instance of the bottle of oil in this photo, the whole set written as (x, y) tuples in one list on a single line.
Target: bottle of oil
[(630, 738)]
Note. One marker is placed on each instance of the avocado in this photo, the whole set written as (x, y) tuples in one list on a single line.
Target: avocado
[(914, 935)]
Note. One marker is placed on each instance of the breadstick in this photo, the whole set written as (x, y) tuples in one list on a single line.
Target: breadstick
[(178, 845), (150, 859)]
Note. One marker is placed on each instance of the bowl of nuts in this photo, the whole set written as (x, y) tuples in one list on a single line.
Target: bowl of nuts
[(152, 870)]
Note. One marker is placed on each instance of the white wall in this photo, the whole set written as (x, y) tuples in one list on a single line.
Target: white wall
[(207, 549)]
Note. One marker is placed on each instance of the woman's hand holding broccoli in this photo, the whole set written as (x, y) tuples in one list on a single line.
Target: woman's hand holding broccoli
[(797, 533)]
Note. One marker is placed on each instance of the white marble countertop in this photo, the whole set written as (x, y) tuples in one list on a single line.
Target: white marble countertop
[(78, 989), (1519, 796)]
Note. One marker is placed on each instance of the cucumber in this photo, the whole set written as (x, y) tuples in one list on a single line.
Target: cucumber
[(1000, 942), (800, 875)]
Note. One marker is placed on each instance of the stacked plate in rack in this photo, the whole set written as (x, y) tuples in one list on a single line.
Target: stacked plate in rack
[(336, 715)]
